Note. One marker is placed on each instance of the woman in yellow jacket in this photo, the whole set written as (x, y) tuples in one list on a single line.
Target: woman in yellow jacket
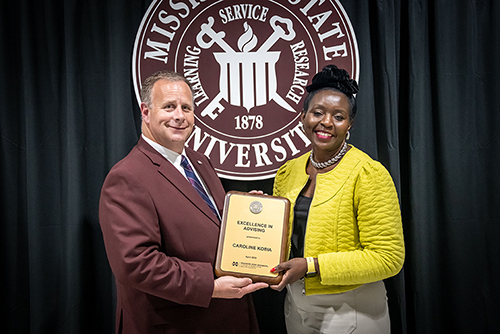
[(345, 226)]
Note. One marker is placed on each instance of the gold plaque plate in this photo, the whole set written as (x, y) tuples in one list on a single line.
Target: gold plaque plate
[(253, 237)]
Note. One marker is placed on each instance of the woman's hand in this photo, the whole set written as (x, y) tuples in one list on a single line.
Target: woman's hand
[(293, 270)]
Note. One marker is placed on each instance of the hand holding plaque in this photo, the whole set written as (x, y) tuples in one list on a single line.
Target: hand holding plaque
[(253, 237)]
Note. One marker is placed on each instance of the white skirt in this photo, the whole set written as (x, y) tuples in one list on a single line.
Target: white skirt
[(360, 311)]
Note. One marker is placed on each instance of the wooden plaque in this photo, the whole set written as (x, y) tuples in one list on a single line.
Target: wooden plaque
[(253, 237)]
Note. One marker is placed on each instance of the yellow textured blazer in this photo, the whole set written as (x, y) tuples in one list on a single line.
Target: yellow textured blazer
[(354, 226)]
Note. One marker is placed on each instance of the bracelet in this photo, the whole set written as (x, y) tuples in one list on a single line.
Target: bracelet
[(311, 268)]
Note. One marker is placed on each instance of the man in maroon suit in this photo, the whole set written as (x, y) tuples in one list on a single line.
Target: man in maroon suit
[(159, 213)]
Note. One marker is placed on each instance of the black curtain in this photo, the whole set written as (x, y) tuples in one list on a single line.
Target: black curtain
[(428, 109)]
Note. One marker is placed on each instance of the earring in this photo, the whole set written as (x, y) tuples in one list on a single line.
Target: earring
[(348, 135)]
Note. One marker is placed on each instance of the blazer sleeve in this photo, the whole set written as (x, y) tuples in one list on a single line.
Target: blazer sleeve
[(132, 236), (379, 223)]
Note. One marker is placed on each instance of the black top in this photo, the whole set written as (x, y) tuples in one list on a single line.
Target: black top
[(300, 213)]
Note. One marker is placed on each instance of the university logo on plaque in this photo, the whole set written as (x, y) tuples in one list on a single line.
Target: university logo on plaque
[(249, 63)]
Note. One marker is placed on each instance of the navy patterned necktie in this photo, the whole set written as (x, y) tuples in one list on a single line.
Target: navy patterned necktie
[(195, 182)]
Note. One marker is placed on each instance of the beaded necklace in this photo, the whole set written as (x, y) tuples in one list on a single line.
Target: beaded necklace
[(321, 165)]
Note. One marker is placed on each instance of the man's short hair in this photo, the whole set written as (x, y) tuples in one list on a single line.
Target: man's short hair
[(147, 85)]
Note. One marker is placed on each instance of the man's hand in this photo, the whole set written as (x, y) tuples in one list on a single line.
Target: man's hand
[(230, 287), (258, 192)]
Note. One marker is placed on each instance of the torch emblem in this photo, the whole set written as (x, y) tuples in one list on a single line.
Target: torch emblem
[(247, 78)]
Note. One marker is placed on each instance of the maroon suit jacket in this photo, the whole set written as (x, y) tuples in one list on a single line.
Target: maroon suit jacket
[(161, 241)]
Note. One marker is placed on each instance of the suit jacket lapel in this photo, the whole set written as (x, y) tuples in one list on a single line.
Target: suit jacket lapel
[(178, 180), (209, 177)]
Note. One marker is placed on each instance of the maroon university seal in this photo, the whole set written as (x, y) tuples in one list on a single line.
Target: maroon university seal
[(249, 64)]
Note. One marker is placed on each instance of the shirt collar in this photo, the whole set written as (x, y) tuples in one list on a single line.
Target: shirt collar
[(173, 157)]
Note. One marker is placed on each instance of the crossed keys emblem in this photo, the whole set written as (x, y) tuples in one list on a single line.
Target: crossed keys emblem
[(252, 71)]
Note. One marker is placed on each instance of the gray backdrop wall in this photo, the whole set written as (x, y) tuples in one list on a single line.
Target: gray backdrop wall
[(428, 109)]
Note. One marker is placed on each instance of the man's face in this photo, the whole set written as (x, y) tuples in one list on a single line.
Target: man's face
[(170, 119)]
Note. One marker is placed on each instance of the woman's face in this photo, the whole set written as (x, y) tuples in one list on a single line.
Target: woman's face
[(326, 122)]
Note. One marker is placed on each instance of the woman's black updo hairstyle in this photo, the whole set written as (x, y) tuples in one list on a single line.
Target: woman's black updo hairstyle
[(336, 79)]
